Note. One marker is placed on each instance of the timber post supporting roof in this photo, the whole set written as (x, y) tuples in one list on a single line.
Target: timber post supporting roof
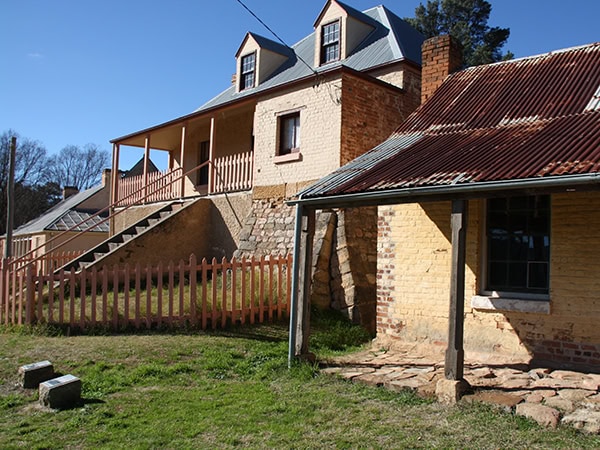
[(531, 121)]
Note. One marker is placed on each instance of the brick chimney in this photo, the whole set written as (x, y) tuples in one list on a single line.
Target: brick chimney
[(69, 191), (106, 177), (441, 55)]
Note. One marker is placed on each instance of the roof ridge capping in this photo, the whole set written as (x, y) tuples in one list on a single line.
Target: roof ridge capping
[(593, 46)]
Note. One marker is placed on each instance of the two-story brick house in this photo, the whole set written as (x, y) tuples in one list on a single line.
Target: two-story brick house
[(290, 116)]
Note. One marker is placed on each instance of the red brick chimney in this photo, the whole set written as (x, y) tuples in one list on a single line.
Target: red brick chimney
[(441, 55), (69, 191)]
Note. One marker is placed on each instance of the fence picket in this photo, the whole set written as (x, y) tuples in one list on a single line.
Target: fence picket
[(223, 292), (115, 288), (159, 288), (204, 284), (193, 289), (214, 293), (233, 289), (171, 282), (252, 289), (279, 286), (271, 296), (180, 310), (40, 296), (126, 283), (137, 296), (148, 296), (82, 295), (261, 298), (243, 287), (93, 293)]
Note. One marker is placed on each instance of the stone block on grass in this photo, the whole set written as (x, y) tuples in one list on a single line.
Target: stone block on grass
[(60, 393), (31, 375)]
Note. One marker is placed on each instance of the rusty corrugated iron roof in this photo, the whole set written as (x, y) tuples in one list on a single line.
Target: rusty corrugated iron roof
[(521, 119)]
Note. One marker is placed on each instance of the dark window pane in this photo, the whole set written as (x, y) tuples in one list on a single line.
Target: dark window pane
[(518, 236), (538, 275), (519, 248), (497, 276), (498, 248), (517, 275)]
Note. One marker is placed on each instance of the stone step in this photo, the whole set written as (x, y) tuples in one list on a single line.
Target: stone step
[(60, 393), (31, 375)]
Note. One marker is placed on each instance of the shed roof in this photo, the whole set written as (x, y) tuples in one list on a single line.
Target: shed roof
[(64, 215), (528, 119)]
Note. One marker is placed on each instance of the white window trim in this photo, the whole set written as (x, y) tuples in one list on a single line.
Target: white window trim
[(497, 303)]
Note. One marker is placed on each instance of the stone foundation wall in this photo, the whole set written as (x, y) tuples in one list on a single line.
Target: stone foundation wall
[(344, 253)]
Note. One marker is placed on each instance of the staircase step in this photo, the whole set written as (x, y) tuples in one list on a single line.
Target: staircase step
[(113, 245), (98, 255), (139, 230)]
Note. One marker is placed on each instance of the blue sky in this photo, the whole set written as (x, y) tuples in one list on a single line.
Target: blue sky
[(79, 71)]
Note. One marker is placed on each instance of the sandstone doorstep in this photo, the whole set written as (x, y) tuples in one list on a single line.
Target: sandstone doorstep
[(60, 393), (31, 375)]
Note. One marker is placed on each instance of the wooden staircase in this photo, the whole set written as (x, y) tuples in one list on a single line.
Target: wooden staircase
[(117, 241)]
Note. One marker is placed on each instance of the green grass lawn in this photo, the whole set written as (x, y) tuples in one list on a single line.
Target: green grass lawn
[(233, 389)]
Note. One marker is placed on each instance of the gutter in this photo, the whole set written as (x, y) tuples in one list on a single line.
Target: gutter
[(396, 195)]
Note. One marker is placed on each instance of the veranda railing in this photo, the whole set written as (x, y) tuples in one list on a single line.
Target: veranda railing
[(206, 294)]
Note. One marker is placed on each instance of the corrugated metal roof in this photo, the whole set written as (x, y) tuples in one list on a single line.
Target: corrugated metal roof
[(60, 214), (527, 118), (72, 218), (393, 39)]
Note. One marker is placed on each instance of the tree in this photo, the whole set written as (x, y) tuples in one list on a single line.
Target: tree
[(81, 168), (466, 21), (30, 168)]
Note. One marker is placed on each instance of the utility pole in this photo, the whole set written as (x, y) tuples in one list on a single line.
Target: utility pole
[(10, 193)]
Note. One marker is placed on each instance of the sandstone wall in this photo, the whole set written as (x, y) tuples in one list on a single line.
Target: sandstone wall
[(413, 273)]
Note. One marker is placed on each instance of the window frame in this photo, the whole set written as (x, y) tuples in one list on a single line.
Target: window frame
[(282, 121), (527, 294), (335, 44), (246, 73)]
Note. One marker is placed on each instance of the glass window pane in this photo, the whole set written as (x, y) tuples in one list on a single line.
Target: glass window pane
[(538, 275), (518, 236)]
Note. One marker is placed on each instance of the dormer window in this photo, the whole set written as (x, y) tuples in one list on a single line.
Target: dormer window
[(330, 42), (248, 71)]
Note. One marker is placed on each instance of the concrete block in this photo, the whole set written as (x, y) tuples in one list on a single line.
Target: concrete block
[(60, 393), (31, 375), (451, 391)]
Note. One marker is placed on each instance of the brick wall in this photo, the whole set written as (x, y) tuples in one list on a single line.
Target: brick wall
[(441, 55), (414, 276), (320, 125), (371, 111)]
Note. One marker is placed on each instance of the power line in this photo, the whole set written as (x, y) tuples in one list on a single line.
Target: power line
[(275, 34)]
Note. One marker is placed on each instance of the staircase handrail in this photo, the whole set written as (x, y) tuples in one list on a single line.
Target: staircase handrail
[(106, 208)]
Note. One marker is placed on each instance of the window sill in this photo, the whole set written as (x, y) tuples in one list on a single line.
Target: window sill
[(492, 303), (290, 157)]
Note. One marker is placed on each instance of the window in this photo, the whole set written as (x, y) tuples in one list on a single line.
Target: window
[(518, 244), (330, 42), (289, 134), (247, 71)]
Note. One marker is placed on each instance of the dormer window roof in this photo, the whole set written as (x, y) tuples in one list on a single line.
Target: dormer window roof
[(339, 30), (257, 59)]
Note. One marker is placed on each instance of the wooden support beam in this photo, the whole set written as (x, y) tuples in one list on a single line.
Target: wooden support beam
[(307, 235), (146, 166), (455, 355), (211, 156), (182, 159)]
